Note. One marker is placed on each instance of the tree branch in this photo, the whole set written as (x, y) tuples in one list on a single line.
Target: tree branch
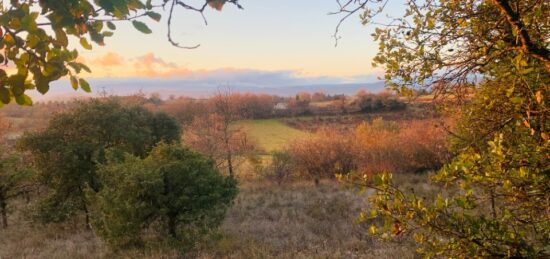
[(527, 45)]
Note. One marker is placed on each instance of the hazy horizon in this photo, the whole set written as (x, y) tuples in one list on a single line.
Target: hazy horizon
[(61, 90)]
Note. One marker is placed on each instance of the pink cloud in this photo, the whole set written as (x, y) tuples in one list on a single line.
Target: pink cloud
[(149, 65), (110, 59)]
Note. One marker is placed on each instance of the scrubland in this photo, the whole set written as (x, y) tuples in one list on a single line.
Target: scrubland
[(303, 213), (298, 220)]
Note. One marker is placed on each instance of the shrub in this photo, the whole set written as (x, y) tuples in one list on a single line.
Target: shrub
[(69, 149), (280, 168), (379, 102), (324, 154), (400, 148), (174, 192), (378, 146)]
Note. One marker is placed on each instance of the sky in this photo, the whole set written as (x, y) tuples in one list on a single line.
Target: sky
[(269, 43)]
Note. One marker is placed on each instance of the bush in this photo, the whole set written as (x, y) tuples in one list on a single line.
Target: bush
[(379, 102), (414, 146), (174, 194), (323, 155), (379, 146), (68, 150), (281, 167)]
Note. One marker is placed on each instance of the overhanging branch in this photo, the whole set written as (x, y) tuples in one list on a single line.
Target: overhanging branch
[(527, 45)]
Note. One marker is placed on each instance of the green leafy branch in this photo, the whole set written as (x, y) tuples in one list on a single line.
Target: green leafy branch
[(34, 37)]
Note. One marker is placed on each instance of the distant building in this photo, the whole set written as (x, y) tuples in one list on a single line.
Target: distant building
[(281, 106)]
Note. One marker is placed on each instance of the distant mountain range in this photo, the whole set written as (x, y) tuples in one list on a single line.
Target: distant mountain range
[(61, 90)]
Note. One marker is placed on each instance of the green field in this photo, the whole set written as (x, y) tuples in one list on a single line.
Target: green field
[(270, 135)]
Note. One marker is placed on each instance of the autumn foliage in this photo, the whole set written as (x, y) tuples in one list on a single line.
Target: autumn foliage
[(373, 147)]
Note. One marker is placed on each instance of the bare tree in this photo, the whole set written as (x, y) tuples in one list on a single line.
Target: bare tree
[(216, 135)]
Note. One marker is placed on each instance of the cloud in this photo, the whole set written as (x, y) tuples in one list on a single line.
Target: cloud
[(149, 65), (110, 59), (151, 59)]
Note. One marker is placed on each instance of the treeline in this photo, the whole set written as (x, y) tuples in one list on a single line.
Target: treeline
[(246, 105), (263, 106)]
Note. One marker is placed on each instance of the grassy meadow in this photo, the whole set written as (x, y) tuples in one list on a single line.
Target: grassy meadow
[(271, 134)]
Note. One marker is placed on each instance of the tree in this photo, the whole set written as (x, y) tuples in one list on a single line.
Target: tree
[(174, 191), (68, 151), (219, 140), (35, 37), (215, 134), (442, 44), (225, 107), (496, 197), (185, 109)]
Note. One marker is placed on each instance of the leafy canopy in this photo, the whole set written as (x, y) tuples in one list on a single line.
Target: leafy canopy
[(68, 151), (174, 192), (495, 193)]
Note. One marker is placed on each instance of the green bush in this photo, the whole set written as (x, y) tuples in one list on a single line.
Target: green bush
[(174, 195), (68, 150), (379, 102)]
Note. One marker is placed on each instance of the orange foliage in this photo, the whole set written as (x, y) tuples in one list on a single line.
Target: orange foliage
[(324, 154), (371, 148), (406, 147)]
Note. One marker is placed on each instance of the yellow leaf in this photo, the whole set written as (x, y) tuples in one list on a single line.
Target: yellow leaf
[(373, 230), (538, 95)]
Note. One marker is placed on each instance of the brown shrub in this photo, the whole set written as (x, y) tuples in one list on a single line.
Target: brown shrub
[(323, 155), (413, 146), (372, 148), (377, 147)]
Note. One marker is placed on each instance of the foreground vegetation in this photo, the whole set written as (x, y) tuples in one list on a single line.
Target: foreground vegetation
[(298, 220), (134, 198)]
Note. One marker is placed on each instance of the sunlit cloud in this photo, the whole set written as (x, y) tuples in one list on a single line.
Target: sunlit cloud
[(110, 59), (151, 66)]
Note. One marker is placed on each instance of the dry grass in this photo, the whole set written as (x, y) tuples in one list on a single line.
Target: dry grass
[(267, 221), (26, 240), (299, 221)]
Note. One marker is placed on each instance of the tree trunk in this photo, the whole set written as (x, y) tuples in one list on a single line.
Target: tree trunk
[(228, 148), (4, 212), (230, 165), (88, 227), (172, 226), (528, 46)]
